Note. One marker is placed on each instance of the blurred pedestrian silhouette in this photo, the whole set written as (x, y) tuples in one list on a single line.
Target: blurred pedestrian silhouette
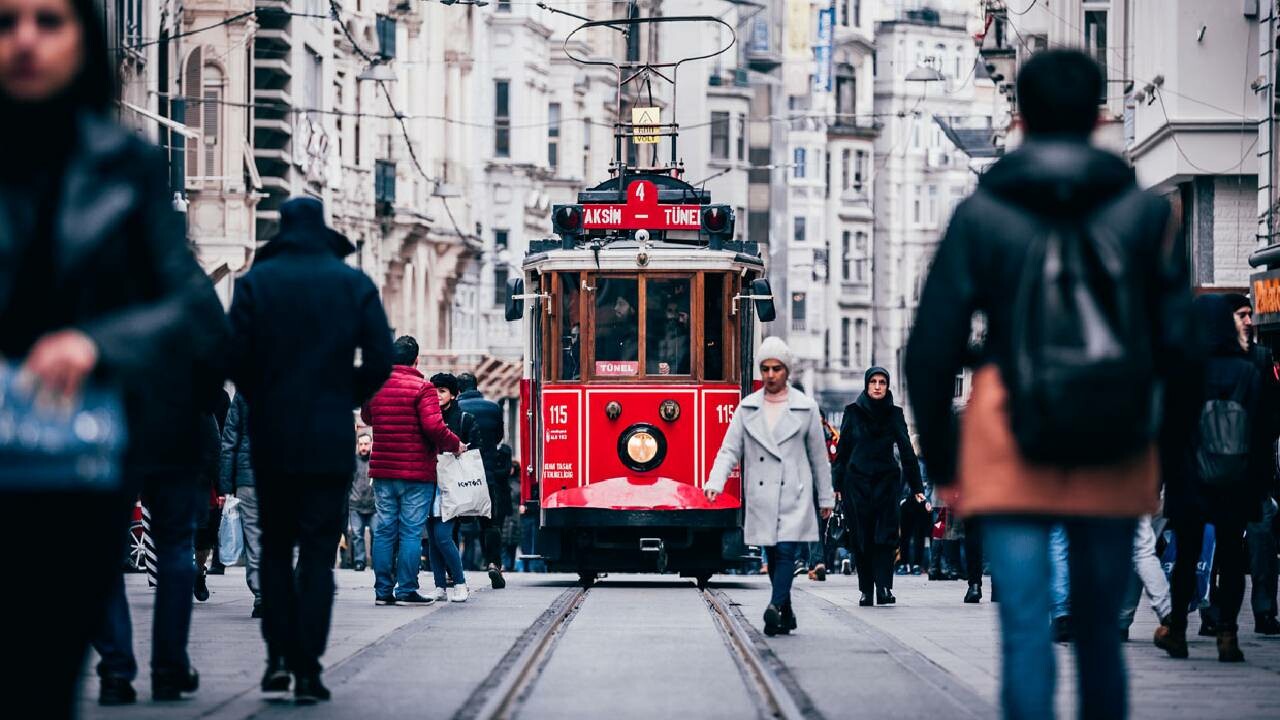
[(98, 286), (1084, 288), (299, 299)]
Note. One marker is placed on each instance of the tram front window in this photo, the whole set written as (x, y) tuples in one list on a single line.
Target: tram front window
[(667, 334), (617, 326), (713, 349), (570, 327)]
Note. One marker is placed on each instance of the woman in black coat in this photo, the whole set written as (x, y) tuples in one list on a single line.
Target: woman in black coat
[(1191, 502), (868, 478), (97, 285)]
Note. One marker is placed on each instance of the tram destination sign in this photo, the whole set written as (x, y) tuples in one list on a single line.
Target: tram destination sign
[(641, 211)]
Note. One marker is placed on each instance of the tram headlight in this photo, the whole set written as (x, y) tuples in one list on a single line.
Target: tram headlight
[(567, 219), (642, 447), (669, 410)]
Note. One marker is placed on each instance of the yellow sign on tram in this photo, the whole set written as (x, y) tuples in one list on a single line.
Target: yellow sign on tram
[(646, 120)]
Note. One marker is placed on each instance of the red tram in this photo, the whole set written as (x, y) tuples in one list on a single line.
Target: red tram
[(640, 331)]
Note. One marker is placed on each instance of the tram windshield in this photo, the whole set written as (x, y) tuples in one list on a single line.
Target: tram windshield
[(612, 326)]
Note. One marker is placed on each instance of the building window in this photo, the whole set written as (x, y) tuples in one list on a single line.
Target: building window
[(846, 168), (1095, 37), (798, 161), (720, 135), (846, 256), (958, 389), (859, 169), (845, 326), (798, 311), (129, 17), (633, 37), (799, 228), (501, 118), (857, 12), (844, 12), (499, 239), (384, 182), (504, 6), (203, 90), (859, 344), (846, 97), (553, 135), (742, 136), (500, 286), (860, 259), (931, 207), (386, 36), (959, 59)]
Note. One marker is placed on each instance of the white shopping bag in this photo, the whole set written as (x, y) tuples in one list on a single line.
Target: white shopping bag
[(230, 532), (464, 492)]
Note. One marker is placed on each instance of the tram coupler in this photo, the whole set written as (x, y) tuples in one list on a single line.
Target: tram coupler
[(655, 545)]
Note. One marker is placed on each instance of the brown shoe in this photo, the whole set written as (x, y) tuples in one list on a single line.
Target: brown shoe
[(813, 575), (1229, 647), (1171, 641)]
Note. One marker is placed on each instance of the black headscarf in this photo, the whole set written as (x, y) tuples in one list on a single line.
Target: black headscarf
[(878, 409), (1218, 333)]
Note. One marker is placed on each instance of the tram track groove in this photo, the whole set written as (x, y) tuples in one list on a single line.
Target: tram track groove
[(775, 689), (501, 694)]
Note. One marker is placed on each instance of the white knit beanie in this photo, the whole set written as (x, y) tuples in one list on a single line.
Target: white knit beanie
[(773, 348)]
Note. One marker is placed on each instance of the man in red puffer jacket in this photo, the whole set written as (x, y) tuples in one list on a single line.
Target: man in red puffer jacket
[(408, 434)]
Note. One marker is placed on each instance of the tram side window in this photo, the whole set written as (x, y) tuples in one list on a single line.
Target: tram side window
[(570, 327), (667, 335), (617, 327), (713, 351)]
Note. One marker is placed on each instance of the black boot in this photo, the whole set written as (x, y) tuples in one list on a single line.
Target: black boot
[(170, 686), (772, 620), (1266, 625), (276, 678), (496, 581), (975, 593), (201, 589), (884, 596), (788, 619), (116, 691), (308, 690), (865, 600)]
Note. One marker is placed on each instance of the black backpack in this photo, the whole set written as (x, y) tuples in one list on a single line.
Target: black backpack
[(1222, 445), (1081, 386)]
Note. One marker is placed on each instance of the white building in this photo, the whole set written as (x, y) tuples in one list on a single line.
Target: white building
[(926, 81)]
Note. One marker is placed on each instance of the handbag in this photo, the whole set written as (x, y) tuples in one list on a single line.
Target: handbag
[(74, 447), (464, 492), (230, 532)]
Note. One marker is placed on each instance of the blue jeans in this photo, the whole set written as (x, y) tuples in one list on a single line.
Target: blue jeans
[(782, 560), (400, 513), (174, 504), (357, 523), (1059, 575), (1100, 559), (444, 551)]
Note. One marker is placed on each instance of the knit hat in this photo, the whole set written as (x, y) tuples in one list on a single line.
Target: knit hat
[(446, 381), (1237, 301), (773, 348)]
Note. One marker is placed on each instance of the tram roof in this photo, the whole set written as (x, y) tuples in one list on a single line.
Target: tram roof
[(622, 255)]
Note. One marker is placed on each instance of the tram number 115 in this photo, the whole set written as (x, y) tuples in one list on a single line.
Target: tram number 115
[(559, 414), (724, 413)]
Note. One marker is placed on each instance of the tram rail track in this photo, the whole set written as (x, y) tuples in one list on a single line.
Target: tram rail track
[(774, 689), (508, 685)]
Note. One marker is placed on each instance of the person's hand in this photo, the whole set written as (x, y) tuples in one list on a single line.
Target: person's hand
[(222, 500), (837, 497), (928, 507), (462, 447), (59, 363), (711, 494), (920, 497), (523, 509), (825, 513)]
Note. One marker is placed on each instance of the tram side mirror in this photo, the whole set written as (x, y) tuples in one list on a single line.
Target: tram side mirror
[(763, 294), (515, 304)]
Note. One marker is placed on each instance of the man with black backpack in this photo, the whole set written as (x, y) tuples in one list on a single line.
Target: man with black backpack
[(1084, 289)]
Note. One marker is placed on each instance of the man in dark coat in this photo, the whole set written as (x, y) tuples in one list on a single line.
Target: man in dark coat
[(868, 479), (1191, 501), (488, 415), (236, 478), (300, 297)]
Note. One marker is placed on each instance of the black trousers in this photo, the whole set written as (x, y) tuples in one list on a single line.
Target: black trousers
[(1229, 557), (1264, 568), (307, 512), (491, 540), (51, 627), (972, 551), (874, 561)]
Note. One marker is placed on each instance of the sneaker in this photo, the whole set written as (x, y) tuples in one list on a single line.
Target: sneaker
[(900, 570), (171, 686), (819, 573), (359, 567), (459, 593), (414, 598), (384, 600), (308, 690), (201, 589), (496, 581), (439, 594), (116, 691), (846, 567), (217, 569), (772, 620), (799, 569), (974, 595), (276, 678), (916, 570)]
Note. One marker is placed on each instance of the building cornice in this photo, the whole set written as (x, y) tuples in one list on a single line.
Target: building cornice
[(1167, 130)]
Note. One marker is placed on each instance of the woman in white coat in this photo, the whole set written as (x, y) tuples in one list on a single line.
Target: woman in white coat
[(776, 436)]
